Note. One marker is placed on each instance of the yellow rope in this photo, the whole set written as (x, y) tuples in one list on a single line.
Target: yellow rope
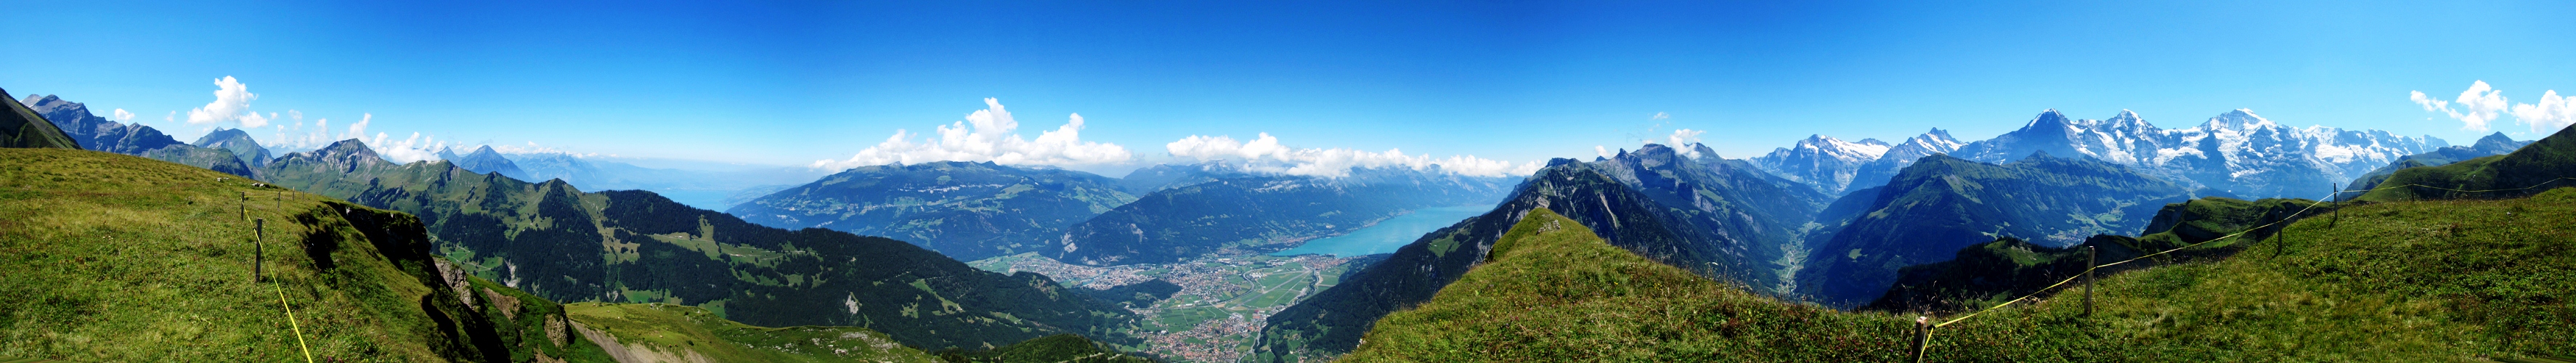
[(2302, 211), (290, 322)]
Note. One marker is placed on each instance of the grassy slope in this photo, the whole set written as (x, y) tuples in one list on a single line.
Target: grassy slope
[(1553, 291), (119, 258), (21, 127), (675, 328), (2415, 281)]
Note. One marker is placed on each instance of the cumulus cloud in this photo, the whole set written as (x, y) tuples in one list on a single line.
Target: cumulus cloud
[(2429, 103), (1604, 151), (232, 103), (122, 116), (359, 130), (1683, 137), (2481, 104), (414, 148), (2552, 113), (987, 135), (1265, 154)]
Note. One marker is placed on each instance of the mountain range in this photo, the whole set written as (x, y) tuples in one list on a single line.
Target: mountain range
[(98, 133), (556, 241)]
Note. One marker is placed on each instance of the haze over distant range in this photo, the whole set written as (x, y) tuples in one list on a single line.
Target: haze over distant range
[(1477, 88)]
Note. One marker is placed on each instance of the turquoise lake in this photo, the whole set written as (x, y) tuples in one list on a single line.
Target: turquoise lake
[(1388, 235)]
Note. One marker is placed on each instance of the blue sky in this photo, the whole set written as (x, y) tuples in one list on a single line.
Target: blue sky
[(793, 82)]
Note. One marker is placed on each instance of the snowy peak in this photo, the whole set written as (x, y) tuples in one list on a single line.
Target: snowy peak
[(1933, 142), (1824, 162), (2050, 119), (1865, 150), (2240, 119)]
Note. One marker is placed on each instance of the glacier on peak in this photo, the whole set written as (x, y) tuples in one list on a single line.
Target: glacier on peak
[(2237, 152)]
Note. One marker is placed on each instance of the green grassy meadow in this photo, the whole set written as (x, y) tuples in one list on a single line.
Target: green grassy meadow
[(120, 258)]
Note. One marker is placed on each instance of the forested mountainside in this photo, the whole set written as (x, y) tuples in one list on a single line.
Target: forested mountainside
[(965, 210), (1942, 204), (559, 242)]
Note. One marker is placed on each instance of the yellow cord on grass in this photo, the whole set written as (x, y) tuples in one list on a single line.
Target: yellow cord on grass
[(290, 322)]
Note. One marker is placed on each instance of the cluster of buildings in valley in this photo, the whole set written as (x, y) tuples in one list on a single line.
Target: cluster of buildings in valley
[(1225, 339), (1231, 284)]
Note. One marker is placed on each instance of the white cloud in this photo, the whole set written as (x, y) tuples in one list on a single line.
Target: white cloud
[(359, 130), (1604, 151), (172, 117), (2429, 103), (122, 116), (414, 148), (1265, 154), (2552, 113), (2482, 104), (232, 103), (1683, 137), (988, 135), (1659, 116)]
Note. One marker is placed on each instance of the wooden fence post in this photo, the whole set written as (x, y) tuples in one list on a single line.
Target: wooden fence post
[(2089, 256), (259, 251), (1922, 337)]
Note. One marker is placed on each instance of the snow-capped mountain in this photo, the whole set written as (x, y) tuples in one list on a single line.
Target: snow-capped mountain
[(2237, 153), (1877, 172), (1824, 162)]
